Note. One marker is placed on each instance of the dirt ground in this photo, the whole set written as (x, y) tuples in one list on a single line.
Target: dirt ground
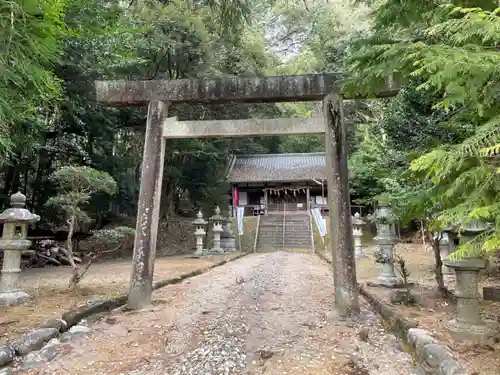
[(432, 312), (48, 288), (263, 314)]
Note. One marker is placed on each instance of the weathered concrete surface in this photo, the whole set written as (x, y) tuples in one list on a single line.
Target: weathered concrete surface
[(309, 87), (340, 228), (146, 231), (172, 128)]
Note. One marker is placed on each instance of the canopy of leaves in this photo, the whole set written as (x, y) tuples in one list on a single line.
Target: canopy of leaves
[(76, 185), (451, 53)]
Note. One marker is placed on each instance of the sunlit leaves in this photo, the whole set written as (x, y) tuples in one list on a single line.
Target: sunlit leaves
[(452, 51), (30, 42)]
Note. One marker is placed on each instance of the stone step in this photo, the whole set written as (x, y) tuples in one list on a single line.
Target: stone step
[(292, 243), (295, 229), (297, 234), (298, 239)]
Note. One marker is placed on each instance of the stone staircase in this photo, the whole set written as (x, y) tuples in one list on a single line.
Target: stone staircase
[(285, 232)]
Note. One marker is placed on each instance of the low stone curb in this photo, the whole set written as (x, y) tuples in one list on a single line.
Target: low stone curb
[(51, 328), (428, 353)]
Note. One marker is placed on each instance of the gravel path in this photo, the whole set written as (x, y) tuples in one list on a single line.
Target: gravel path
[(264, 314)]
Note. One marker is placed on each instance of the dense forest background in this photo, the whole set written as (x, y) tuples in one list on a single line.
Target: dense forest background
[(432, 150)]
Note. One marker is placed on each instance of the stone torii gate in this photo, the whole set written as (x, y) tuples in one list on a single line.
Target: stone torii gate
[(159, 94)]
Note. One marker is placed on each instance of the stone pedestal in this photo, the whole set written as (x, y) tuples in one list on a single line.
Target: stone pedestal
[(357, 233), (468, 325), (385, 240), (227, 238), (13, 242), (217, 230)]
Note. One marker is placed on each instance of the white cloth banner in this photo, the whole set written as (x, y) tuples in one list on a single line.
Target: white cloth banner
[(320, 222), (239, 219)]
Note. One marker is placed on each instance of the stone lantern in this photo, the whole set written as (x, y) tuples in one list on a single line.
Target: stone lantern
[(385, 239), (227, 237), (199, 232), (357, 232), (14, 240), (446, 247), (217, 229), (468, 325)]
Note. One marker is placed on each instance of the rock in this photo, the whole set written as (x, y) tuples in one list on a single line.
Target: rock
[(6, 371), (401, 296), (240, 280), (452, 367), (363, 333), (418, 338), (93, 300), (79, 329), (66, 336), (33, 340), (13, 298), (111, 320), (76, 315), (434, 355), (95, 318), (58, 324), (42, 356), (6, 355), (83, 322), (265, 354)]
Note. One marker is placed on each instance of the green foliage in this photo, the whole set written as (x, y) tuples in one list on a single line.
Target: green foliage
[(448, 53), (30, 41), (76, 185), (117, 238)]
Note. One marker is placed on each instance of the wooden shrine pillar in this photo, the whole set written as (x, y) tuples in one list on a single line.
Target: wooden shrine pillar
[(266, 201), (308, 199)]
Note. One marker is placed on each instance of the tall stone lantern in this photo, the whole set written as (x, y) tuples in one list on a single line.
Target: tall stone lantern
[(227, 237), (14, 240), (217, 229), (468, 324), (199, 224), (446, 247), (357, 232), (385, 239)]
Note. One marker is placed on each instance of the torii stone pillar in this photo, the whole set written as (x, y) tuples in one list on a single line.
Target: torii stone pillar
[(339, 203), (148, 209)]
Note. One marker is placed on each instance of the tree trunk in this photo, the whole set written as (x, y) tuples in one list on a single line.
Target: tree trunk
[(438, 268), (78, 271)]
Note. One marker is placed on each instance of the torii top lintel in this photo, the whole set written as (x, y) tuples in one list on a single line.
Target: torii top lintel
[(310, 87)]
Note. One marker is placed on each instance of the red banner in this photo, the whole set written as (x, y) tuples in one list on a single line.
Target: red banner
[(236, 199)]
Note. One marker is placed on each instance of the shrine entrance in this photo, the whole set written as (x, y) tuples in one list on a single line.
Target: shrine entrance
[(287, 200), (160, 94)]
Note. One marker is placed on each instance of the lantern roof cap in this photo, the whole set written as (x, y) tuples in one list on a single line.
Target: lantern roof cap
[(17, 213)]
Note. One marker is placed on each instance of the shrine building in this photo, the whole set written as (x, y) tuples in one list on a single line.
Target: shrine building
[(267, 184)]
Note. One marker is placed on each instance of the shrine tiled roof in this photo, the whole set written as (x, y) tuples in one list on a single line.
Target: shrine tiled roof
[(277, 167)]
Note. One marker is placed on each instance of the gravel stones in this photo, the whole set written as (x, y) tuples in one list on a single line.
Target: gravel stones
[(271, 323)]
